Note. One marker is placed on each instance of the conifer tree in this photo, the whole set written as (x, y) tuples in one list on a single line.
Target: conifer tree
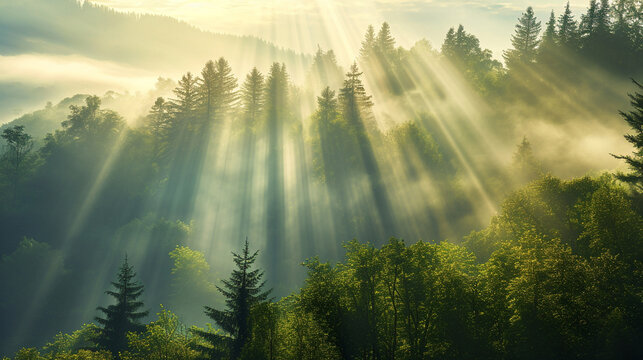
[(356, 104), (603, 18), (525, 40), (252, 97), (588, 20), (368, 44), (158, 123), (567, 29), (549, 36), (185, 105), (384, 43), (125, 315), (242, 291), (635, 119), (207, 91), (225, 89)]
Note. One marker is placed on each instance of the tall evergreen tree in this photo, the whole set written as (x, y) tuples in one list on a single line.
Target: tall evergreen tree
[(225, 89), (158, 124), (368, 44), (252, 97), (635, 119), (207, 92), (549, 36), (355, 107), (384, 42), (276, 115), (242, 291), (185, 104), (567, 29), (525, 40), (125, 315), (588, 20)]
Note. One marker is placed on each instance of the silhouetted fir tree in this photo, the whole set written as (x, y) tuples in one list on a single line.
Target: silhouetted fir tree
[(158, 124), (225, 89), (355, 107), (276, 115), (207, 91), (124, 316), (567, 29), (368, 44), (635, 119), (384, 42), (252, 100), (242, 291), (326, 114), (549, 36), (547, 50), (185, 104), (588, 20), (525, 40)]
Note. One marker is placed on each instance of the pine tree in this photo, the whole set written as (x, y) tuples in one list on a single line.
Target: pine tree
[(225, 89), (124, 316), (603, 18), (588, 20), (567, 29), (384, 43), (635, 119), (158, 123), (252, 97), (525, 40), (549, 37), (368, 45), (242, 291), (207, 91), (356, 104), (185, 105)]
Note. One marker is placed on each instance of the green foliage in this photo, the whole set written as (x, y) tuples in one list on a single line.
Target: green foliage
[(65, 344), (525, 41), (163, 339), (190, 275), (124, 316), (635, 119), (477, 65), (243, 291)]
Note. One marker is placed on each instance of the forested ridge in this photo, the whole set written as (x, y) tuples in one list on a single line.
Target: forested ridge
[(393, 208)]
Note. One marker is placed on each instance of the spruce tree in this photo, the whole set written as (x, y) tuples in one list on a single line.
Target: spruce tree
[(549, 37), (525, 40), (588, 20), (207, 86), (252, 97), (158, 124), (635, 119), (384, 43), (225, 89), (548, 43), (242, 291), (124, 316), (567, 29), (368, 45), (185, 104)]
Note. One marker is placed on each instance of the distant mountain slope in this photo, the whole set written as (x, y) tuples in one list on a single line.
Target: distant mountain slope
[(64, 27), (50, 49)]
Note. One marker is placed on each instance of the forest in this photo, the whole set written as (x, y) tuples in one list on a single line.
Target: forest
[(417, 203)]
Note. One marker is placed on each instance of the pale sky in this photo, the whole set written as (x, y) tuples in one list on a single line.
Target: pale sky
[(303, 24)]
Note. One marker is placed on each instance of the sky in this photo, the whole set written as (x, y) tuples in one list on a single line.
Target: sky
[(302, 25)]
